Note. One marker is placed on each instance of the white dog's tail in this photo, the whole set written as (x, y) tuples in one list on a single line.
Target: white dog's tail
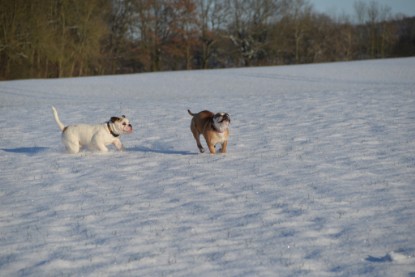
[(58, 121)]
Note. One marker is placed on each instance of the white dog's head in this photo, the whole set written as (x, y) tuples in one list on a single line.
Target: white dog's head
[(221, 121), (120, 125)]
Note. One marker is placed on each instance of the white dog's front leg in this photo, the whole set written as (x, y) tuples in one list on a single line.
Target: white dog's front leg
[(97, 146), (118, 145), (102, 148)]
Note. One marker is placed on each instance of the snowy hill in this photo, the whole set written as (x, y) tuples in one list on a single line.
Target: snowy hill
[(319, 179)]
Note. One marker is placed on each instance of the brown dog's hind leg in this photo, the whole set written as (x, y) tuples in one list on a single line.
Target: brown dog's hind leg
[(199, 145), (196, 135)]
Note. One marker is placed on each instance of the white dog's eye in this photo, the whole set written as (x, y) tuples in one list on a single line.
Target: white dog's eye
[(124, 124)]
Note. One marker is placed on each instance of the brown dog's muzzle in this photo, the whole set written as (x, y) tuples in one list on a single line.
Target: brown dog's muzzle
[(226, 117)]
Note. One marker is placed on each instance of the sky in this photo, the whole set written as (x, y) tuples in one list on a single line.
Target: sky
[(331, 7)]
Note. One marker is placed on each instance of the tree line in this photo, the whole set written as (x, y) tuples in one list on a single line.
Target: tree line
[(66, 38)]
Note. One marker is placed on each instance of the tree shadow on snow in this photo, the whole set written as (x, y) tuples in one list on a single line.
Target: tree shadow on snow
[(26, 150), (160, 151)]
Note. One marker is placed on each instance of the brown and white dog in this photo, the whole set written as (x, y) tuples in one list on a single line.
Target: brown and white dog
[(214, 128), (94, 136)]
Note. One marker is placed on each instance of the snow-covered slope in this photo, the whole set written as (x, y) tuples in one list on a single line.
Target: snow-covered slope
[(319, 179)]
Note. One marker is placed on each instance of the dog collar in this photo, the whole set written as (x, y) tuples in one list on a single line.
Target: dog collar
[(112, 133)]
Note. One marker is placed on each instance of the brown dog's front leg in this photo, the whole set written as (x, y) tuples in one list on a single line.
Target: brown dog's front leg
[(212, 148), (224, 145)]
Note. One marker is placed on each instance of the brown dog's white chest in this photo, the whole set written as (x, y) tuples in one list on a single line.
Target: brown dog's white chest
[(219, 137)]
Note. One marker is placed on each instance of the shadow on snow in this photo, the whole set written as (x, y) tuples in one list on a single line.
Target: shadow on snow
[(26, 150), (160, 151)]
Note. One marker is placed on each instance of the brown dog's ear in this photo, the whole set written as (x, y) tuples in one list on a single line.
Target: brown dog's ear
[(114, 118)]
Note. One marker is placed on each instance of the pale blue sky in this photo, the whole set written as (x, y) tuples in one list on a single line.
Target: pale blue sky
[(338, 7)]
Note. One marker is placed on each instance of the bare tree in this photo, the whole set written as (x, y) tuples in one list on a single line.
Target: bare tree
[(249, 27), (184, 34), (165, 32), (360, 9), (295, 30), (59, 38), (374, 33), (116, 46), (212, 20), (387, 31), (14, 36)]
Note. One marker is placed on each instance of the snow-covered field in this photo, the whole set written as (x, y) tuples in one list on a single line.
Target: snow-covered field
[(319, 179)]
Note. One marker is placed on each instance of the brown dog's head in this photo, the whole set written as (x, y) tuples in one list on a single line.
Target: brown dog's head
[(221, 121)]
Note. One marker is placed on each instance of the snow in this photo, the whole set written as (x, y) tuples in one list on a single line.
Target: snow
[(318, 179)]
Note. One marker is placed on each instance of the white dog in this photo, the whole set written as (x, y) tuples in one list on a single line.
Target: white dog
[(95, 137)]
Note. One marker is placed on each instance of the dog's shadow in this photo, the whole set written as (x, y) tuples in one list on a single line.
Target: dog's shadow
[(160, 151), (26, 150), (36, 150), (384, 259)]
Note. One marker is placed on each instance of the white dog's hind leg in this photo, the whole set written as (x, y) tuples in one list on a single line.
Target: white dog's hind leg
[(71, 147)]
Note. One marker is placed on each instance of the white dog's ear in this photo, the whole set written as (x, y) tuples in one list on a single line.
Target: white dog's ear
[(123, 116), (114, 119)]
